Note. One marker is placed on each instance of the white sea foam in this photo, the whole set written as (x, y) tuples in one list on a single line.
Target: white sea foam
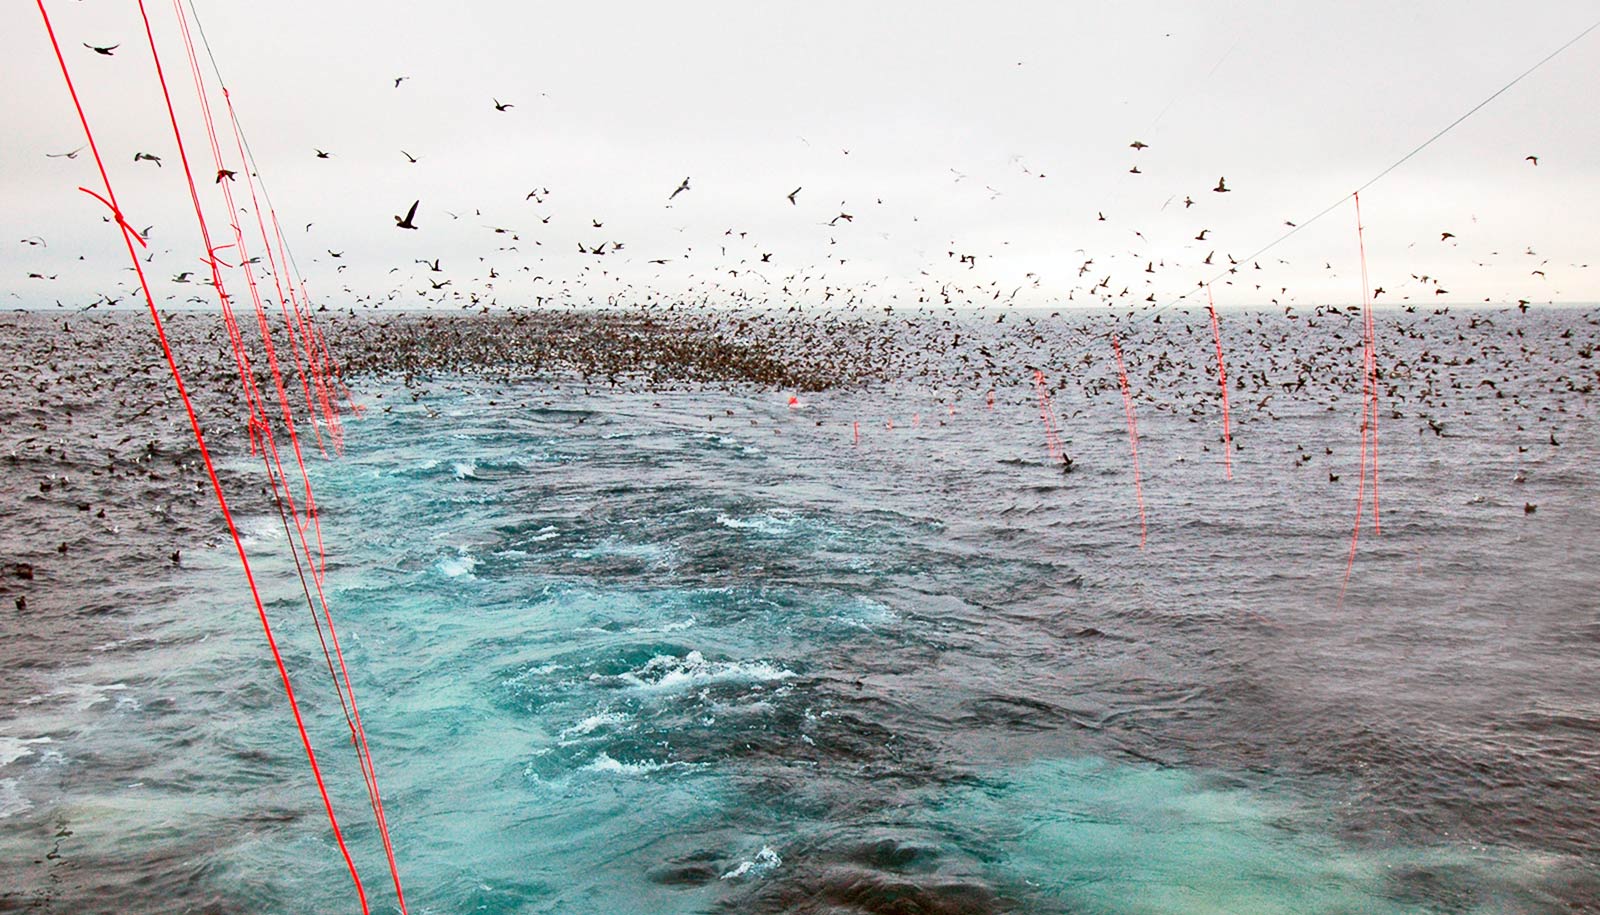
[(669, 672), (464, 470), (11, 800), (14, 748), (457, 566), (765, 861), (592, 723), (770, 525), (604, 763)]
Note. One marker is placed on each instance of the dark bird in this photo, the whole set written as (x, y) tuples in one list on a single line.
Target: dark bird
[(1135, 171), (1138, 145), (1533, 159), (320, 153), (1529, 508), (684, 186), (1445, 235), (1202, 235), (147, 157), (224, 173), (400, 79), (106, 50), (502, 106), (410, 214), (1222, 186), (791, 195), (409, 157)]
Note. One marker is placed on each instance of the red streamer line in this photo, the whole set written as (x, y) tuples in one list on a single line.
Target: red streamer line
[(1133, 433), (1222, 381), (1369, 406), (205, 453), (341, 680), (1052, 441)]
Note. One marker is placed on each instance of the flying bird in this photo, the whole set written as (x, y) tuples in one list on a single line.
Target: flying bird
[(409, 157), (1138, 145), (501, 106), (65, 155), (410, 214), (320, 153), (1533, 159), (106, 50), (147, 157), (225, 173), (681, 188), (400, 79), (1222, 186), (792, 193)]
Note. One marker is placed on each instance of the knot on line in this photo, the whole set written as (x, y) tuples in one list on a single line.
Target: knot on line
[(117, 214), (212, 259)]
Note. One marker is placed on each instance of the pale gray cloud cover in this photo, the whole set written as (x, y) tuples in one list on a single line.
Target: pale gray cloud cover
[(1000, 131)]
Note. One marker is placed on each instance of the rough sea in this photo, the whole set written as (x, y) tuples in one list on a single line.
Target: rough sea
[(622, 650)]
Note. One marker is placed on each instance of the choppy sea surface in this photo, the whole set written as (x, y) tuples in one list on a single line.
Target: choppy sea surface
[(704, 651)]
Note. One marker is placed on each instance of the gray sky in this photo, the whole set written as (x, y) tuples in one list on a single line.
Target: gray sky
[(999, 131)]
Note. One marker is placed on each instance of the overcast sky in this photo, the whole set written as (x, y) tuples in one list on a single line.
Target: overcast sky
[(996, 131)]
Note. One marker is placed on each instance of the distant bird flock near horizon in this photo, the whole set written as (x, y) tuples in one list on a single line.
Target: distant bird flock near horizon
[(741, 271), (749, 507)]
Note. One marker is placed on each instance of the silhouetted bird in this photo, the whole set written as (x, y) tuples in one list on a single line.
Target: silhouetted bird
[(410, 214)]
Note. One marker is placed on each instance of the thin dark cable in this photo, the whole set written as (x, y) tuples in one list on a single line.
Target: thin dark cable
[(249, 153), (1379, 176)]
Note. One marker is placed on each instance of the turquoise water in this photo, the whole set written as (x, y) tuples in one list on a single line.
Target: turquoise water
[(636, 653)]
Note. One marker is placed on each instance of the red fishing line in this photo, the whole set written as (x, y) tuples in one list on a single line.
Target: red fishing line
[(205, 453), (1222, 381), (1133, 432)]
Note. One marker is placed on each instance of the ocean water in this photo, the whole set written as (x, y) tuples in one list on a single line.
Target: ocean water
[(703, 651)]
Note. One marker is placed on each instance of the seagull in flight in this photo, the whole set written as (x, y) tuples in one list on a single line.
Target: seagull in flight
[(501, 106), (106, 50), (410, 214), (792, 193), (681, 188)]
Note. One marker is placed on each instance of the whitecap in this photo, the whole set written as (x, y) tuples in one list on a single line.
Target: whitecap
[(457, 566), (14, 748), (592, 723), (770, 525), (604, 763), (669, 672), (765, 861)]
